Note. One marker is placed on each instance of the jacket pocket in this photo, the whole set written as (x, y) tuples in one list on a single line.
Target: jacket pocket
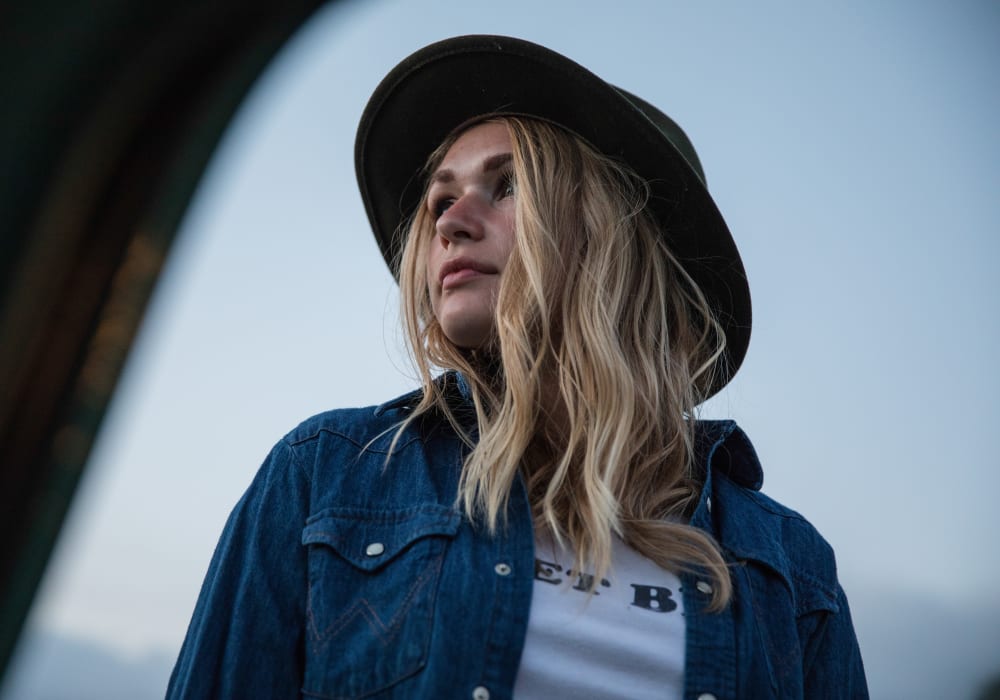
[(373, 579)]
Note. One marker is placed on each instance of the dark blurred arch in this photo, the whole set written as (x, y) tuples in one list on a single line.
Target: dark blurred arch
[(109, 113)]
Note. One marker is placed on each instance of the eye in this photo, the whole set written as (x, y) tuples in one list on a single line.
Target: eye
[(439, 206), (505, 185)]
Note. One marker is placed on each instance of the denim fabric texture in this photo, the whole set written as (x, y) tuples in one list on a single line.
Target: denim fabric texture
[(344, 574)]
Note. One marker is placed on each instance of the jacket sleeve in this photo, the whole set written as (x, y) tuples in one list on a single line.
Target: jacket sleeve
[(832, 663), (246, 635)]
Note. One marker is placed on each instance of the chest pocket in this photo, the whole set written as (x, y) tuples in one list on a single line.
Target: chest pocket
[(373, 580)]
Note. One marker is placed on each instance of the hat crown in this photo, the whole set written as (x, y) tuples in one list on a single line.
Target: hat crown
[(671, 130)]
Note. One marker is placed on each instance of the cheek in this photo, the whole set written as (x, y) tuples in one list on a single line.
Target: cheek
[(507, 239), (430, 265)]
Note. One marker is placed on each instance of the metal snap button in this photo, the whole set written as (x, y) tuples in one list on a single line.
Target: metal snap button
[(374, 549), (480, 693), (706, 696), (502, 569), (706, 588)]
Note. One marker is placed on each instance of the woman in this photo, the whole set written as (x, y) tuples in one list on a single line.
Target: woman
[(545, 518)]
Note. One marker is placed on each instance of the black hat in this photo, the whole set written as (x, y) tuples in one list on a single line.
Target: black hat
[(424, 98)]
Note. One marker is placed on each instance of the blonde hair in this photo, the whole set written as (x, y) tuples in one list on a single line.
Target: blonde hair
[(603, 348)]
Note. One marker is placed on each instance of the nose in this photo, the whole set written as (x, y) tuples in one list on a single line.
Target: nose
[(463, 220)]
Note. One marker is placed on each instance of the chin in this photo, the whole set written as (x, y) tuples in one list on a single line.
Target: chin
[(467, 326), (468, 336), (468, 341)]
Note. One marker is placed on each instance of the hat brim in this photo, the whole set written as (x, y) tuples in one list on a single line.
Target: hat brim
[(448, 83)]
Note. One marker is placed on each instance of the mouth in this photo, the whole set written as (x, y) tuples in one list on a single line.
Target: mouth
[(459, 270)]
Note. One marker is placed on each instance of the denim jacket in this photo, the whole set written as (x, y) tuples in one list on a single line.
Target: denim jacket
[(344, 574)]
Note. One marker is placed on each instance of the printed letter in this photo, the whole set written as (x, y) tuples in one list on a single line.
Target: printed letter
[(545, 571), (585, 582), (653, 598)]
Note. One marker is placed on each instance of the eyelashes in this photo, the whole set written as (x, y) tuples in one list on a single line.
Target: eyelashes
[(505, 186)]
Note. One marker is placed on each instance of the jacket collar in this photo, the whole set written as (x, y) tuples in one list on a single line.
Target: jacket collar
[(453, 384), (722, 446)]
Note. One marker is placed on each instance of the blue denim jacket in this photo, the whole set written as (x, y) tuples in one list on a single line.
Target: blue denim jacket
[(343, 575)]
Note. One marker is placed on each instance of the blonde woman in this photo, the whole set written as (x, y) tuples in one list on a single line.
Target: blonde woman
[(544, 517)]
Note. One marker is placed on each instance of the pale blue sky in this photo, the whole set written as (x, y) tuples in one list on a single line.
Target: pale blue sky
[(853, 152)]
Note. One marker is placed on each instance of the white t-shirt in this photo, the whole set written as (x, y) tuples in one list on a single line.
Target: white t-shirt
[(624, 641)]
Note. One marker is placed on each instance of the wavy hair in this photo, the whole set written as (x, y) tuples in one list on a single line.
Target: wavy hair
[(603, 347)]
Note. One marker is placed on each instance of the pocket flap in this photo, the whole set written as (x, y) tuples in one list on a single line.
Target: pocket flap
[(369, 539)]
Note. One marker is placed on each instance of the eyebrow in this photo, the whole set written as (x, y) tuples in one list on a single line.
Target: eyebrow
[(494, 162)]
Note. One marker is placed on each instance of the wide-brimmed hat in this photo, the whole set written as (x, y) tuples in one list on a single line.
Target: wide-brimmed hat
[(452, 82)]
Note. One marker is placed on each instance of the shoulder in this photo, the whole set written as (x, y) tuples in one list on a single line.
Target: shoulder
[(754, 528), (375, 427), (374, 457), (793, 616), (365, 426)]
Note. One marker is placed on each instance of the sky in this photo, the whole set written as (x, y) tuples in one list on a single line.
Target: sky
[(854, 154)]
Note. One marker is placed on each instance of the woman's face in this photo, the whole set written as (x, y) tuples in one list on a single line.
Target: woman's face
[(471, 198)]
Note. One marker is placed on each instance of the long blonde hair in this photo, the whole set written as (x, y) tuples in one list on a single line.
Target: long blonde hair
[(603, 347)]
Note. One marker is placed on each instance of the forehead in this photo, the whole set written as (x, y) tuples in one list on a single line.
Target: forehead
[(476, 143)]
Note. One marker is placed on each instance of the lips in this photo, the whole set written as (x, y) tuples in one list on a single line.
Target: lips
[(458, 270)]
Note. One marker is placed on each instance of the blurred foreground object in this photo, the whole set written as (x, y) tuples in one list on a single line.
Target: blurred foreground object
[(110, 113)]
